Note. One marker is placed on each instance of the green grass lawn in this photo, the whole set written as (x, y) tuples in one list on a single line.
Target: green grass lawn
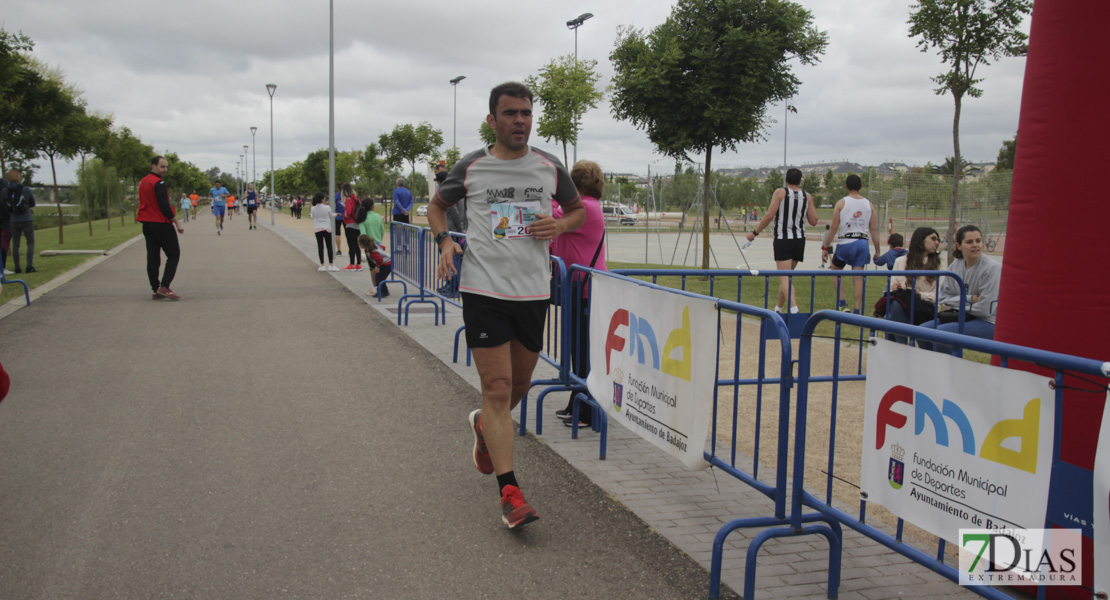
[(76, 238)]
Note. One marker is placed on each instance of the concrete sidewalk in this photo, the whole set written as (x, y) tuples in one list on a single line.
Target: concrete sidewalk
[(273, 436)]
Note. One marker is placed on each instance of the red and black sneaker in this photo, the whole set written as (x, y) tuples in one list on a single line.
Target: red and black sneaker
[(481, 454), (167, 293), (514, 510)]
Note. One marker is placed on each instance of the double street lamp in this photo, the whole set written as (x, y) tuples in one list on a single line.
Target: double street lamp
[(270, 87), (574, 24), (455, 111)]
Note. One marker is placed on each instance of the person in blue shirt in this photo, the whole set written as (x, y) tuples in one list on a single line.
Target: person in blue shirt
[(896, 251), (402, 202), (219, 204)]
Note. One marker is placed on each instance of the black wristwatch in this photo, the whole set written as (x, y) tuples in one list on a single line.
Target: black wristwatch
[(441, 235)]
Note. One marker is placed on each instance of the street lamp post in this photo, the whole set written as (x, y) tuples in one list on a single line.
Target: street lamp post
[(254, 151), (574, 24), (455, 111), (270, 87), (786, 116)]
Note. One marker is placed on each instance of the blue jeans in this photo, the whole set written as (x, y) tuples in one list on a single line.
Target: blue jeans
[(898, 315), (973, 327)]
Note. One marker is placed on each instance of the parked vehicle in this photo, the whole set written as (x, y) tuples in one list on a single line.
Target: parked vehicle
[(619, 214)]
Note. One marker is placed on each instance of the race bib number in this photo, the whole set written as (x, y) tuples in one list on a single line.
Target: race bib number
[(511, 219)]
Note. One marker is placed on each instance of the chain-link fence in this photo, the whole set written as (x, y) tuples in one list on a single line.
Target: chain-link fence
[(906, 201)]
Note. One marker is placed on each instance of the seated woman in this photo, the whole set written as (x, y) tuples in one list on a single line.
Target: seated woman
[(919, 295), (981, 276)]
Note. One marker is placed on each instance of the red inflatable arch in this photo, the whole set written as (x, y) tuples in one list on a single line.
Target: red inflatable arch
[(1055, 292)]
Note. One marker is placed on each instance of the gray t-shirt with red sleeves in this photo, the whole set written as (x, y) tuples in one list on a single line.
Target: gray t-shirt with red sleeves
[(502, 259)]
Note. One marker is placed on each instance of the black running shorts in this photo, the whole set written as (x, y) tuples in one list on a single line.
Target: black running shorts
[(491, 322), (790, 250)]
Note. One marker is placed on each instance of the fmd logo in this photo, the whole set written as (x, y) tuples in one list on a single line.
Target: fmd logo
[(926, 412), (641, 339)]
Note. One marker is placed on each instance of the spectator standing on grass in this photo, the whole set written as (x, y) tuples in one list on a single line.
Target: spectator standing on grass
[(19, 207), (854, 222), (350, 227), (322, 218), (185, 206), (159, 223), (790, 209), (894, 243), (402, 202)]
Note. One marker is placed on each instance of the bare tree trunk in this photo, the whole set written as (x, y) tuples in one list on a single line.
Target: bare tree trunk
[(121, 209), (705, 210), (85, 194), (957, 170), (58, 200), (107, 197), (565, 157)]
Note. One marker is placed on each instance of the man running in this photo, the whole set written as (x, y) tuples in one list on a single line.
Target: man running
[(789, 205), (252, 207), (508, 188), (219, 204), (854, 222)]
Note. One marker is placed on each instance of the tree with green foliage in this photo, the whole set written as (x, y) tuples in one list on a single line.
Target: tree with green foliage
[(408, 144), (488, 135), (314, 171), (1006, 155), (566, 88), (967, 34), (704, 78), (93, 132), (451, 157), (17, 80)]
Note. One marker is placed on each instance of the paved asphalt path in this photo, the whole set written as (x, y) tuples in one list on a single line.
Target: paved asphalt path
[(272, 436)]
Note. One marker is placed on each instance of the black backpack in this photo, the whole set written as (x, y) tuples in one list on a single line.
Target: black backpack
[(14, 201)]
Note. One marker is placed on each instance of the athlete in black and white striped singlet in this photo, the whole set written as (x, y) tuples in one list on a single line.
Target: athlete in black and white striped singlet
[(789, 222)]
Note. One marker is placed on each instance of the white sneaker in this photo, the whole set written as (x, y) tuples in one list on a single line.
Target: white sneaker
[(322, 268), (333, 268)]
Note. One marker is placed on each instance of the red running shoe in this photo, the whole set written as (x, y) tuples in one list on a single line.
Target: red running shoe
[(166, 292), (481, 454), (514, 510)]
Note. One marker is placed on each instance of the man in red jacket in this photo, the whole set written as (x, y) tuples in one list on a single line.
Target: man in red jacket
[(159, 222)]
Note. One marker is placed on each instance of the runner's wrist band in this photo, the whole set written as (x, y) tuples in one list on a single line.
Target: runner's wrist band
[(440, 237)]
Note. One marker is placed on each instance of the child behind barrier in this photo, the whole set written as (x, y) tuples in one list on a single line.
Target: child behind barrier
[(381, 265)]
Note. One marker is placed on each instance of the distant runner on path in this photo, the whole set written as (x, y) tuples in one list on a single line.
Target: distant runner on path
[(219, 204)]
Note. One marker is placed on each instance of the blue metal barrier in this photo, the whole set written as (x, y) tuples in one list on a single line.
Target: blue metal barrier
[(802, 498), (26, 291), (408, 252)]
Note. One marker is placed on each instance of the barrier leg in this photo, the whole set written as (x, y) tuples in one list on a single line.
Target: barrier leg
[(455, 355)]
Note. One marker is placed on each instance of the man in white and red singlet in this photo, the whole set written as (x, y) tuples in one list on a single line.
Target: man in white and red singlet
[(854, 222)]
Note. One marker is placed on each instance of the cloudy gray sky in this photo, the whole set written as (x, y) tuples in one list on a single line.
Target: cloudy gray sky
[(190, 77)]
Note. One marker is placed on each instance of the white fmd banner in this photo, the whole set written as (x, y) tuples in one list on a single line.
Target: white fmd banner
[(653, 361), (950, 444), (1102, 505)]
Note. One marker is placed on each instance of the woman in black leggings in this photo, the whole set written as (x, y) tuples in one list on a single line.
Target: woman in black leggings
[(322, 216), (350, 227)]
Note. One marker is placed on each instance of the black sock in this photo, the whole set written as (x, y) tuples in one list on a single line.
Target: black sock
[(506, 479)]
